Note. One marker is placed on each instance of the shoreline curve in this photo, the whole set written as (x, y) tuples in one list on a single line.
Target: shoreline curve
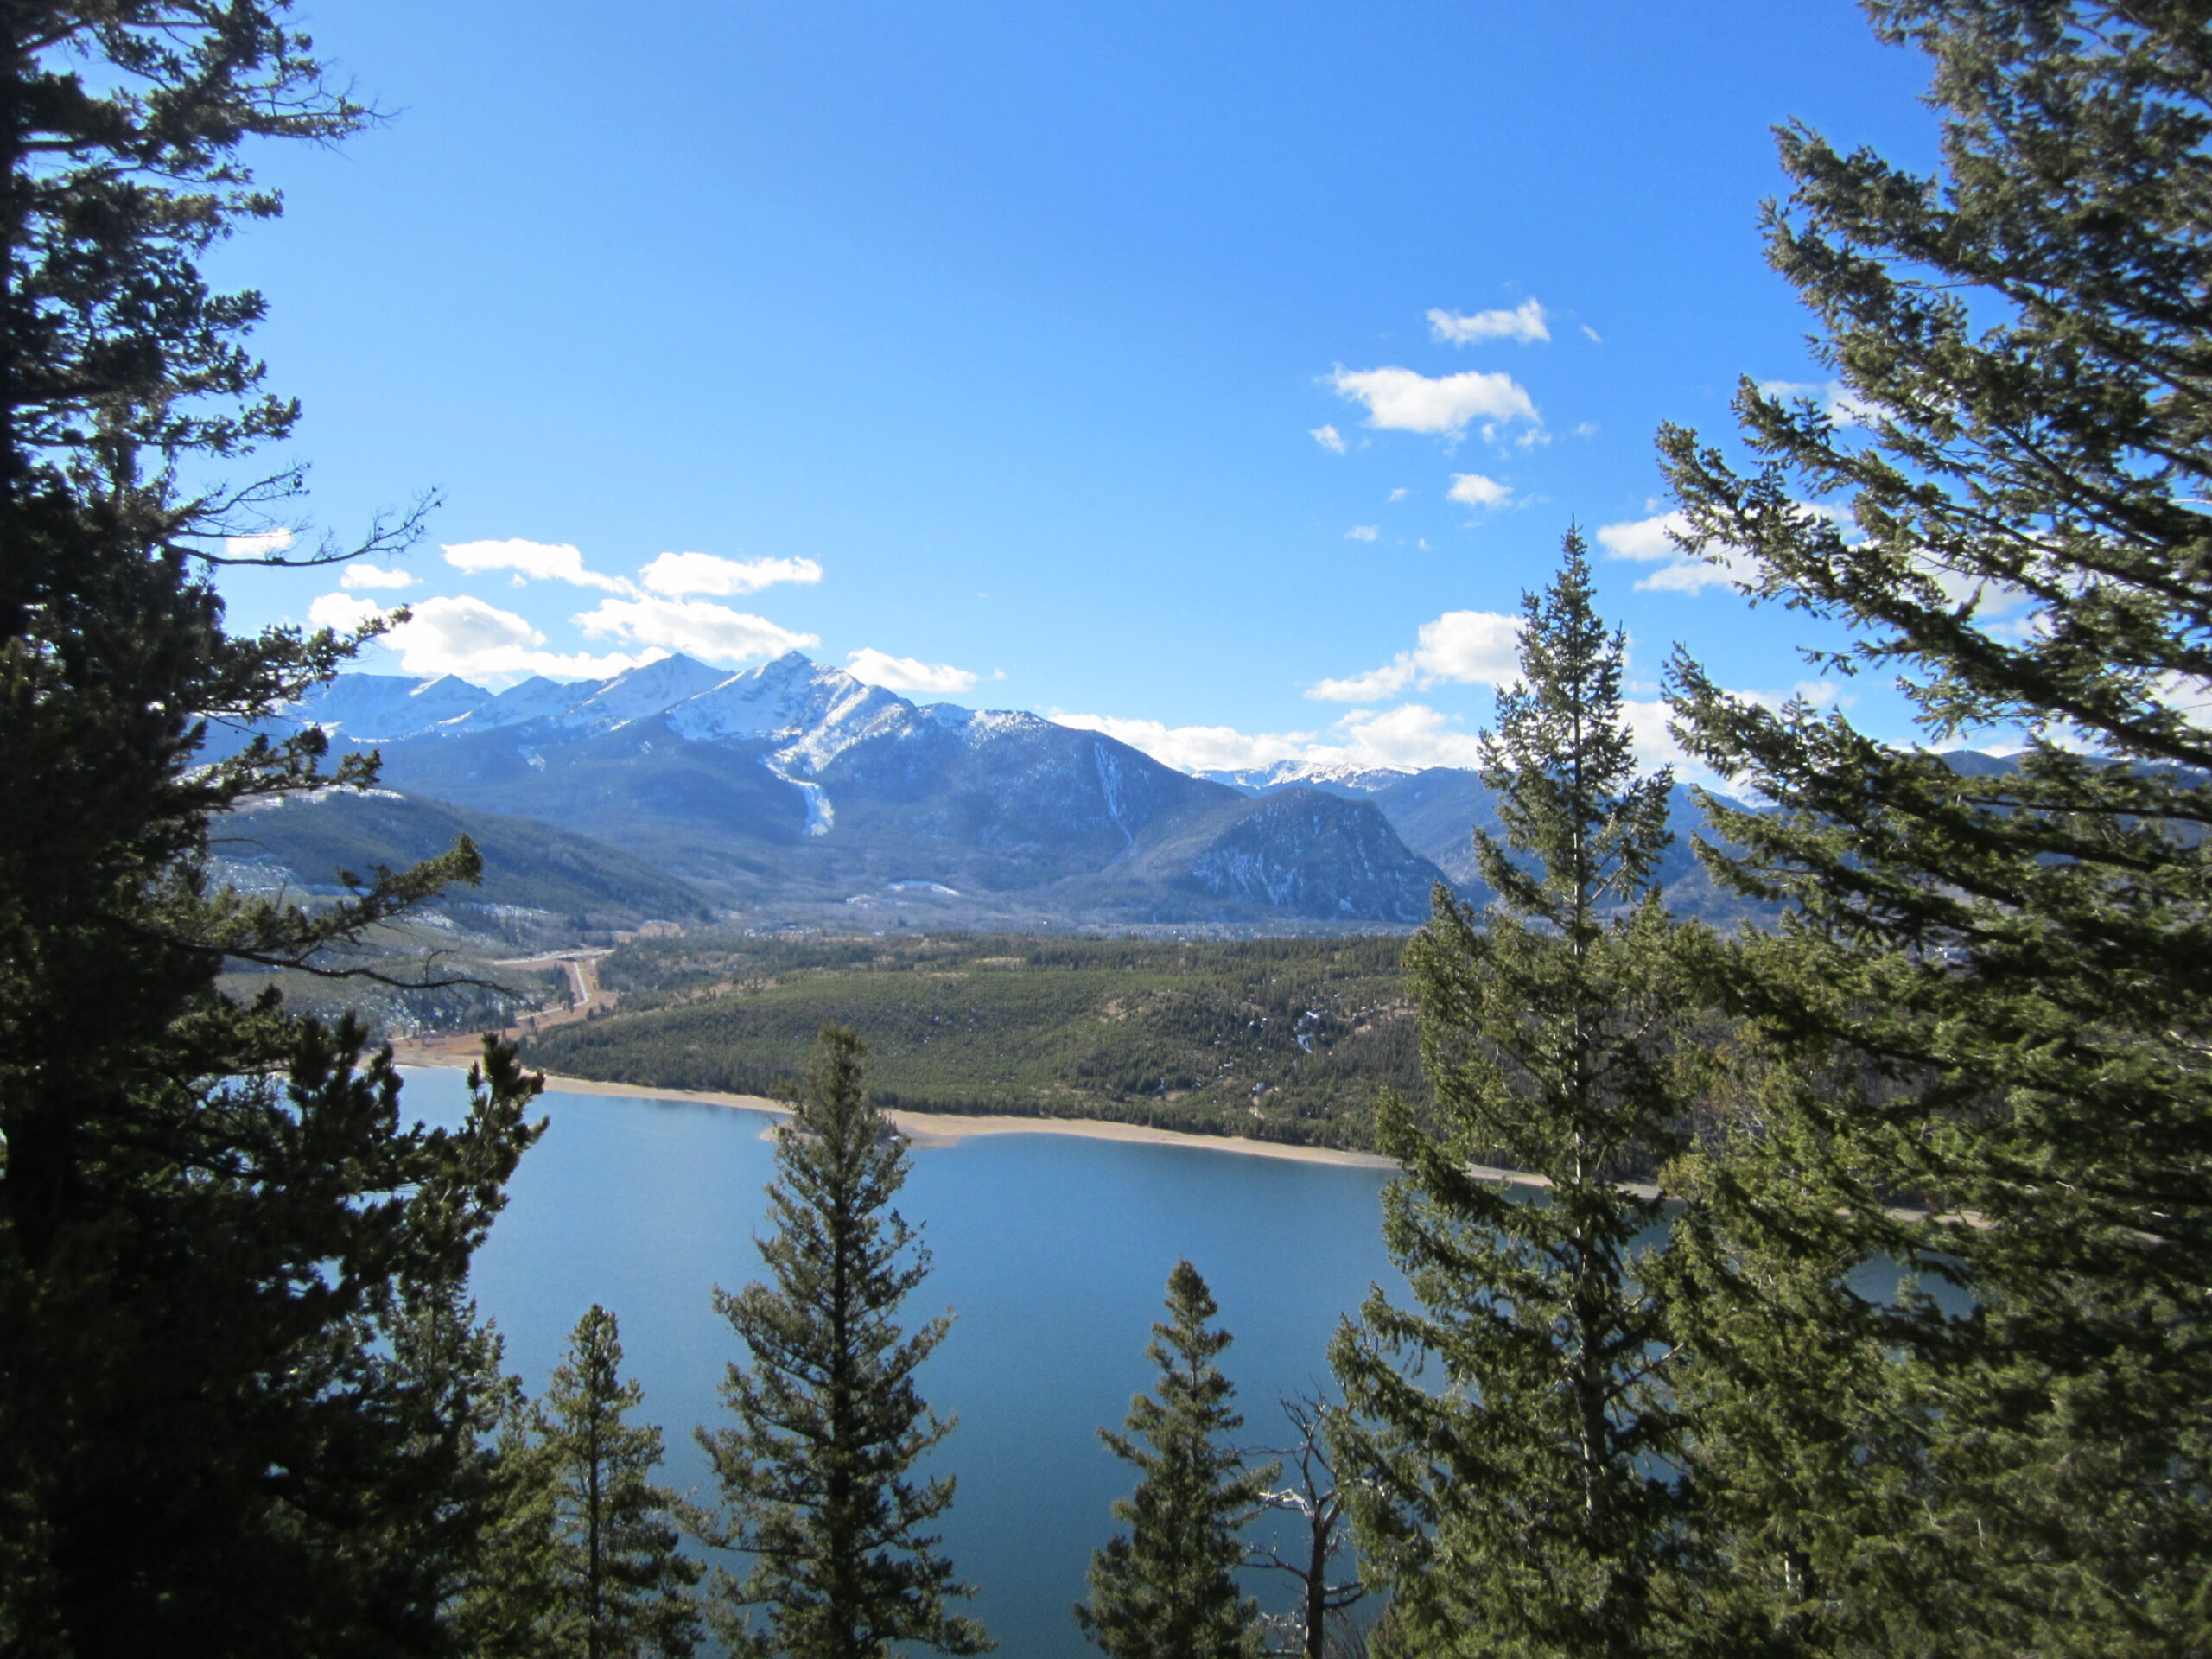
[(932, 1129)]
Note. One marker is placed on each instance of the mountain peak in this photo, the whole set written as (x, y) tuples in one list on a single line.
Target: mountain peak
[(444, 683), (638, 693), (675, 666), (792, 696), (1340, 777)]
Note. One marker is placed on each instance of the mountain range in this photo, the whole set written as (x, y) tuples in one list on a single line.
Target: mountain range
[(792, 788)]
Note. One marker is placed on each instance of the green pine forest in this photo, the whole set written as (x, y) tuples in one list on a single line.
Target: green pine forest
[(248, 1407), (1286, 1039)]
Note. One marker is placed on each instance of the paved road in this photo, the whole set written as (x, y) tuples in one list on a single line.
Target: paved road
[(582, 968)]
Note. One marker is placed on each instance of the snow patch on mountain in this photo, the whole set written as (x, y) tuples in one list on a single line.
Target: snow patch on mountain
[(641, 693), (385, 708), (819, 712), (1337, 777), (821, 813), (999, 799), (536, 698), (990, 725), (1110, 785)]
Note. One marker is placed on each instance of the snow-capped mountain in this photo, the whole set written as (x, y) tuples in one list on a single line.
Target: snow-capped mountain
[(817, 711), (642, 692), (795, 782), (536, 698), (365, 709), (1337, 777)]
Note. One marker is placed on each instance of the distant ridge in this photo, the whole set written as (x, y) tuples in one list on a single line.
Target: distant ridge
[(794, 787), (1436, 810), (300, 844)]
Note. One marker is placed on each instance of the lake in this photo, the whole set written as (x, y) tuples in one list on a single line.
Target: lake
[(1053, 1250)]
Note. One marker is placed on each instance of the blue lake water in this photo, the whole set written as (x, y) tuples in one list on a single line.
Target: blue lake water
[(1054, 1250)]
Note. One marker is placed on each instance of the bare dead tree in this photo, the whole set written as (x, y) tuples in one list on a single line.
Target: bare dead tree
[(1304, 1632)]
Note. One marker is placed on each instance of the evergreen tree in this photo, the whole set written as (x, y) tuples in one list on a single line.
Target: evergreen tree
[(454, 1399), (212, 1217), (2019, 957), (1166, 1588), (1524, 1507), (1806, 1441), (507, 1605), (620, 1584), (815, 1475)]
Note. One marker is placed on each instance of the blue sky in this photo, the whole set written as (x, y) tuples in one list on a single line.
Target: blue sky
[(1231, 367)]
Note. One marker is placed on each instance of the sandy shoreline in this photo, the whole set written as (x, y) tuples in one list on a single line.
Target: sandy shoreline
[(947, 1129)]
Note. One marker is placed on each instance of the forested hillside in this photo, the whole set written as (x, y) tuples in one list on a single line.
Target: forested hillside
[(1288, 1039), (575, 886)]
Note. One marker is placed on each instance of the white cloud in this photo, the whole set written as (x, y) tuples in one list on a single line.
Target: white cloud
[(1823, 694), (1412, 735), (2185, 694), (1649, 541), (697, 628), (874, 667), (1401, 400), (357, 576), (1991, 599), (1524, 322), (343, 613), (1398, 494), (1373, 686), (1655, 745), (1834, 399), (1730, 567), (1473, 490), (259, 546), (1195, 748), (1464, 647), (1816, 694), (678, 574), (1471, 647), (1645, 540), (1362, 533), (533, 561), (1329, 438), (461, 634), (1595, 338)]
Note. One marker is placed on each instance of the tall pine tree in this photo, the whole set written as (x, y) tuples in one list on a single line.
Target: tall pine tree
[(1524, 1504), (212, 1217), (442, 1533), (2015, 959), (1166, 1588), (620, 1585), (815, 1472), (1806, 1438)]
